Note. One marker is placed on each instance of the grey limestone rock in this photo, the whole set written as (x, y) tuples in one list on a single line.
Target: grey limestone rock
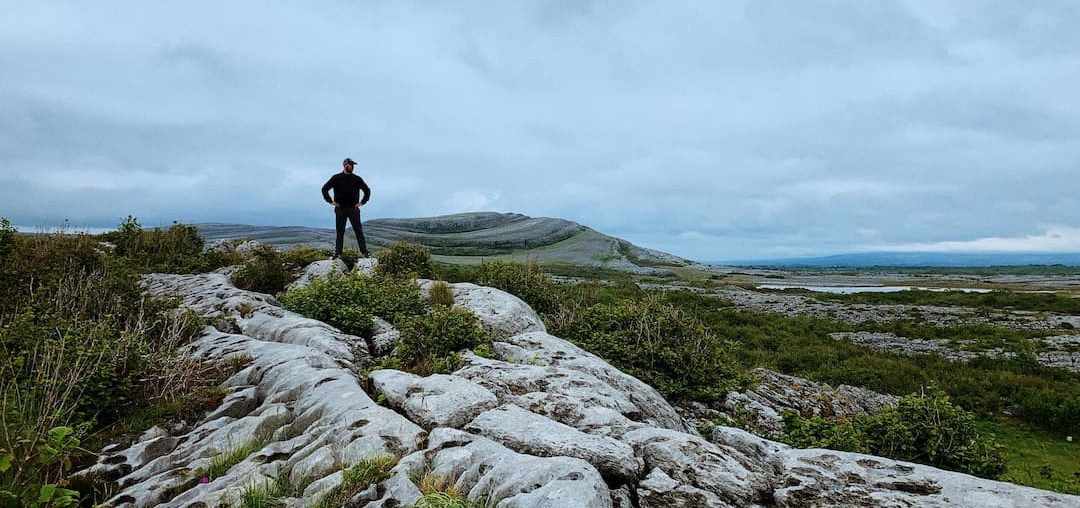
[(761, 405), (554, 426), (541, 347), (527, 432), (700, 466), (438, 400), (831, 478), (502, 314), (317, 270), (484, 469)]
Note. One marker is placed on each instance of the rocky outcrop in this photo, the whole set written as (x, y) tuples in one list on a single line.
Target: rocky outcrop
[(487, 234), (541, 424), (771, 393)]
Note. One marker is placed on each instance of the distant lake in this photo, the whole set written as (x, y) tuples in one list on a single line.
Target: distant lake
[(847, 290)]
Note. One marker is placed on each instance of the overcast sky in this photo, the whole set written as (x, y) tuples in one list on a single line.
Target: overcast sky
[(710, 129)]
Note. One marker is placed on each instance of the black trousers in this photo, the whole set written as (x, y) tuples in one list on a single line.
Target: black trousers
[(351, 213)]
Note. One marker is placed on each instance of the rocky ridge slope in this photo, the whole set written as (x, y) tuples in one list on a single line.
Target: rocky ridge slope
[(466, 237), (542, 424)]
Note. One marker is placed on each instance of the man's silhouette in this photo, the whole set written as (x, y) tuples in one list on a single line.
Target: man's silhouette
[(347, 203)]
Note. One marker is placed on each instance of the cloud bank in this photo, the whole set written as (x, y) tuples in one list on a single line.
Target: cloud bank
[(713, 130)]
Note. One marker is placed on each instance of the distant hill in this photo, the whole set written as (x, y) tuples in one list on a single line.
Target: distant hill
[(470, 237), (901, 259)]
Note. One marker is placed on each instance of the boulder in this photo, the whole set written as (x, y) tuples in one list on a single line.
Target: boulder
[(317, 270), (434, 401), (832, 478), (502, 314), (698, 466), (533, 434)]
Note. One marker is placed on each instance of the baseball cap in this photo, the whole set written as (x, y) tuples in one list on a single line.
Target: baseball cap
[(348, 161)]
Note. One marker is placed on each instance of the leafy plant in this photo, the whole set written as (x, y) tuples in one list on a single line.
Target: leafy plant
[(405, 259), (8, 236), (524, 280), (926, 428), (432, 342), (660, 344), (176, 249), (303, 255), (31, 466), (348, 302), (264, 271)]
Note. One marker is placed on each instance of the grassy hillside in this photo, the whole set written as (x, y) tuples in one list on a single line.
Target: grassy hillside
[(469, 237)]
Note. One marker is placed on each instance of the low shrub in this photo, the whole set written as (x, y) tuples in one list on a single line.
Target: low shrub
[(660, 344), (926, 428), (431, 342), (524, 280), (178, 249), (31, 466), (264, 271), (406, 259), (348, 302), (303, 255), (441, 294), (8, 236)]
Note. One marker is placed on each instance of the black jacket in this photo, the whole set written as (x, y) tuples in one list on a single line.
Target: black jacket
[(347, 189)]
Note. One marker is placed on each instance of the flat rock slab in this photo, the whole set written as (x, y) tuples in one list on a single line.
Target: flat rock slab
[(546, 349), (484, 469), (533, 434), (831, 478), (700, 466), (511, 382), (438, 400)]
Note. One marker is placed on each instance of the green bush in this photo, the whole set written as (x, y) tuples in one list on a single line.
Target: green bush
[(660, 344), (8, 236), (818, 432), (32, 465), (524, 280), (926, 428), (264, 271), (432, 342), (406, 259), (178, 249), (303, 255), (348, 302)]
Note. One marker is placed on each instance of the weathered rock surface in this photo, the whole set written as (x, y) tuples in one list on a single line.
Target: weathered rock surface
[(549, 426), (438, 400), (311, 411), (318, 269), (502, 313), (484, 469), (527, 432), (831, 478), (760, 406)]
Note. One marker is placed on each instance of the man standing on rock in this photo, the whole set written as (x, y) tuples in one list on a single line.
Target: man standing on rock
[(347, 203)]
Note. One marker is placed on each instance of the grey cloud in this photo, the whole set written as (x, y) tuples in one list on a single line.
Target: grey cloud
[(715, 130)]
